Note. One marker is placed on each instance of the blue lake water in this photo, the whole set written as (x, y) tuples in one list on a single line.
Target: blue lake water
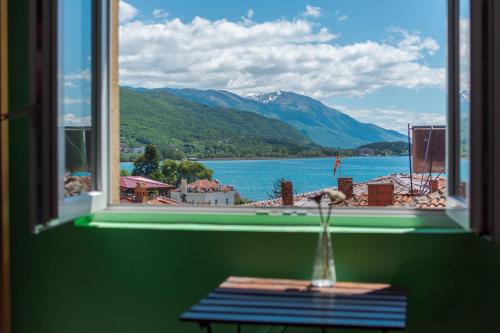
[(253, 179)]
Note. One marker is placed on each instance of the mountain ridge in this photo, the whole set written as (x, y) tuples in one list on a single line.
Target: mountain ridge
[(173, 123), (324, 125)]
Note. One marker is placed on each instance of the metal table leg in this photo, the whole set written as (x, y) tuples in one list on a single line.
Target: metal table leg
[(207, 326)]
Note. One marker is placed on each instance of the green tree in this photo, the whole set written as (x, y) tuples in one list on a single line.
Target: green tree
[(173, 171), (124, 173), (170, 172), (192, 171), (276, 190), (169, 153), (147, 165)]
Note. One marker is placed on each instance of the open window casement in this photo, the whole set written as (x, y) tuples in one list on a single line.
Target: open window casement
[(474, 100), (459, 95), (69, 55)]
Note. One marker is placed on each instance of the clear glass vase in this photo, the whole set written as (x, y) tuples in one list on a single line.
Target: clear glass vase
[(324, 268)]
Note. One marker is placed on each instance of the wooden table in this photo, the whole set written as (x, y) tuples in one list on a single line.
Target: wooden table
[(241, 300)]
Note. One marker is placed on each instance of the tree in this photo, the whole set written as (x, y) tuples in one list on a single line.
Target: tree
[(173, 171), (192, 171), (276, 190), (147, 165), (169, 153), (169, 171), (124, 173)]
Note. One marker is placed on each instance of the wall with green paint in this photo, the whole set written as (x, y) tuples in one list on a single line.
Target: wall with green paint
[(110, 280)]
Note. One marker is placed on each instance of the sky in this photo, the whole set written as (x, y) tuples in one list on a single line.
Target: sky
[(75, 62), (380, 61)]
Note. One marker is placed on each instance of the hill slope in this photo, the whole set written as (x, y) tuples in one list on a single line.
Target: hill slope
[(324, 125), (168, 121), (387, 148)]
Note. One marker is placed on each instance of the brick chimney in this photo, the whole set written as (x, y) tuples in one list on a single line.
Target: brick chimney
[(380, 194), (287, 193), (433, 185), (141, 192), (345, 186)]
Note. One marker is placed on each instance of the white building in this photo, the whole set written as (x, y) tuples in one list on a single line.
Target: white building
[(204, 192)]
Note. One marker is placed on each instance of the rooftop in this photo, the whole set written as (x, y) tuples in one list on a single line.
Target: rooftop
[(206, 185), (130, 183), (160, 200), (422, 197)]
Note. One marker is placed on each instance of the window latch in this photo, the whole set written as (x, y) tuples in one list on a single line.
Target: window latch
[(22, 112)]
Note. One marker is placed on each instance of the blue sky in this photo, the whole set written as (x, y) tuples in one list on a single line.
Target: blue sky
[(75, 61), (380, 61)]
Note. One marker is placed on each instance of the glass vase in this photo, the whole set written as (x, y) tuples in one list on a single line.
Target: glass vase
[(324, 268)]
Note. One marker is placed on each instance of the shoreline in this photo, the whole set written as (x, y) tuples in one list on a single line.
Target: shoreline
[(287, 158), (256, 158)]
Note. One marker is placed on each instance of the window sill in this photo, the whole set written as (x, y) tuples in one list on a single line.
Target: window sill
[(369, 221)]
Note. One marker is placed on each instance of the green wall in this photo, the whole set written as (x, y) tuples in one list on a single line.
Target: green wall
[(110, 280)]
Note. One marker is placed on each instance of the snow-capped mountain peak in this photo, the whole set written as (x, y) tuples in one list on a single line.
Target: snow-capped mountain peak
[(266, 98)]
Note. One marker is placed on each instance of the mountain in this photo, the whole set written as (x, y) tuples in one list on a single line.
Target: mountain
[(171, 122), (324, 125)]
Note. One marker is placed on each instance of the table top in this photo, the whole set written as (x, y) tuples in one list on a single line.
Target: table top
[(246, 300)]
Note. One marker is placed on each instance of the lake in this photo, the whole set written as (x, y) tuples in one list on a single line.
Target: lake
[(253, 179)]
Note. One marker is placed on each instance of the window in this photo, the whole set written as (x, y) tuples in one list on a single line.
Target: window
[(292, 100), (176, 173), (69, 93)]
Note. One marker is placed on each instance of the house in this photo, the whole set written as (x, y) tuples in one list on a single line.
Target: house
[(142, 190), (128, 185), (205, 192)]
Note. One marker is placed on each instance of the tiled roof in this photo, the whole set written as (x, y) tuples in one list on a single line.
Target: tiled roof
[(205, 185), (160, 200), (130, 183), (76, 185), (402, 194)]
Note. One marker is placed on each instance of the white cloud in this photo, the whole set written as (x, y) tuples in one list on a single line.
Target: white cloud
[(312, 11), (341, 17), (160, 13), (72, 101), (415, 42), (69, 84), (393, 118), (127, 12), (250, 13), (248, 57), (71, 119), (84, 75), (465, 57)]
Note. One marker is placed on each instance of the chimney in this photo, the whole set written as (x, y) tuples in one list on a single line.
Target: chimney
[(433, 185), (141, 192), (345, 186), (287, 193), (380, 194)]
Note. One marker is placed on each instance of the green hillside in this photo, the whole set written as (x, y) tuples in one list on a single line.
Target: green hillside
[(194, 130), (387, 148)]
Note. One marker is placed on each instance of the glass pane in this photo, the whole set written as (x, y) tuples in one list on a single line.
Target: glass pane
[(265, 104), (464, 42), (75, 94)]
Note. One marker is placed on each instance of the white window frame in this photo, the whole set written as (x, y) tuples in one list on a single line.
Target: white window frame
[(49, 206)]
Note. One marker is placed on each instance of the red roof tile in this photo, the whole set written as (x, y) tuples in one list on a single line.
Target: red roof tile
[(156, 201), (205, 185), (130, 183), (402, 196)]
